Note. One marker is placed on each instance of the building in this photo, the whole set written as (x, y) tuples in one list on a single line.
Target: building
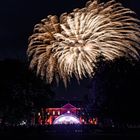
[(67, 114)]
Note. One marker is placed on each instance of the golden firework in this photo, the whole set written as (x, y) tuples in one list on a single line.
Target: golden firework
[(69, 46)]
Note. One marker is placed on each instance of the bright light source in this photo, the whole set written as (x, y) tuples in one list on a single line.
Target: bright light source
[(68, 111), (67, 119)]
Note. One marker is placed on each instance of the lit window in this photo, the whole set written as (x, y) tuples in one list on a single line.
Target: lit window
[(53, 112), (58, 112)]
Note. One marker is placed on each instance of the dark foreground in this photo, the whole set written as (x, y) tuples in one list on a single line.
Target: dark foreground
[(68, 132)]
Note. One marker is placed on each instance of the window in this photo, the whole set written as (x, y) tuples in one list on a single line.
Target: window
[(53, 112), (58, 112)]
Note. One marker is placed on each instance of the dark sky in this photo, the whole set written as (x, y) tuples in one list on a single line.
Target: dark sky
[(18, 17)]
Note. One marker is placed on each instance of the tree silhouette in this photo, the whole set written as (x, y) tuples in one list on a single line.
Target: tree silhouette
[(21, 92)]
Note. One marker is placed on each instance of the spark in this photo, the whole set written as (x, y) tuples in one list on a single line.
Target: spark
[(68, 46)]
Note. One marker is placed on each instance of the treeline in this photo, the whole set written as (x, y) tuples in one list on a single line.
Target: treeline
[(115, 89), (21, 92)]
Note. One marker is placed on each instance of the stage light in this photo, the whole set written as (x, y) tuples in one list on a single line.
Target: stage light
[(67, 119)]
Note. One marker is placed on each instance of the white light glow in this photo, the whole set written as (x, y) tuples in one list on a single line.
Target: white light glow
[(67, 119)]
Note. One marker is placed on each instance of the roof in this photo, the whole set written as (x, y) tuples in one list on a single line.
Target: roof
[(62, 103), (68, 105)]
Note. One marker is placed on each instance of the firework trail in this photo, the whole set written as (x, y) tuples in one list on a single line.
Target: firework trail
[(68, 46)]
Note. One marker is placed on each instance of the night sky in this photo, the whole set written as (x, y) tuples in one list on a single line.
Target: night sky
[(17, 19)]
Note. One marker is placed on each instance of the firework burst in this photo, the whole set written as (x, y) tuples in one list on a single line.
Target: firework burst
[(69, 46)]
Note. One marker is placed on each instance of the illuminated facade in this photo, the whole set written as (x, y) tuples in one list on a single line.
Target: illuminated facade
[(67, 114)]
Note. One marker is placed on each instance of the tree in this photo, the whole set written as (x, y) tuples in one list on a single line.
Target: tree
[(21, 92)]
